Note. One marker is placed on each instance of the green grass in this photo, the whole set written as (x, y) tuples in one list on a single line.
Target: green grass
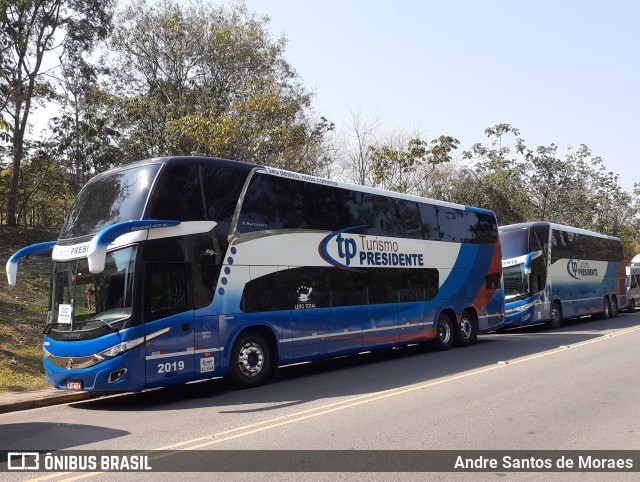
[(23, 310)]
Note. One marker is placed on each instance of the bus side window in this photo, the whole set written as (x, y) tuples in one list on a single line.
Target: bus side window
[(277, 203), (338, 208), (167, 290), (538, 276), (539, 240), (486, 229), (456, 225), (178, 195), (408, 213), (221, 187), (378, 215), (429, 217)]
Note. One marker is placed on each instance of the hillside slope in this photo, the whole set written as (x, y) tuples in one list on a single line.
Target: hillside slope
[(23, 310)]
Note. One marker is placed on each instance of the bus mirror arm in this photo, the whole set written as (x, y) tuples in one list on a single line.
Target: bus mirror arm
[(530, 257), (12, 264), (97, 251)]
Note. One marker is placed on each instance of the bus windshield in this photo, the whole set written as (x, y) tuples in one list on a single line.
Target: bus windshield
[(514, 243), (108, 199), (81, 300), (516, 282)]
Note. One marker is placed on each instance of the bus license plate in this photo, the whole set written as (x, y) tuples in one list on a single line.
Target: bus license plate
[(74, 385)]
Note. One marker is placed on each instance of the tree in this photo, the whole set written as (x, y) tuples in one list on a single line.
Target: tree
[(497, 181), (207, 80), (29, 30), (404, 169), (353, 157), (44, 195), (258, 126)]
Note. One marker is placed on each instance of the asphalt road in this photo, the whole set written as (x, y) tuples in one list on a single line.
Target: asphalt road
[(576, 388)]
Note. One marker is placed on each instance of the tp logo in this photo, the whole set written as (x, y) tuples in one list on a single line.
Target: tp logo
[(572, 267), (22, 461), (346, 247)]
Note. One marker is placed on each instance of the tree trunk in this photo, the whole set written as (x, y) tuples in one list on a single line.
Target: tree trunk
[(18, 148)]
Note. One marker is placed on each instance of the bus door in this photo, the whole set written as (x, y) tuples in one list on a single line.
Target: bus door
[(169, 322), (207, 343)]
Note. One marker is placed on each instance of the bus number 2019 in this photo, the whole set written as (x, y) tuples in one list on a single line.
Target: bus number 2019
[(170, 367)]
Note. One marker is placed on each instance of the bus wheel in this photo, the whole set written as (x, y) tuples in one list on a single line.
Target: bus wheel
[(632, 305), (444, 332), (250, 361), (614, 307), (606, 314), (466, 330), (556, 316)]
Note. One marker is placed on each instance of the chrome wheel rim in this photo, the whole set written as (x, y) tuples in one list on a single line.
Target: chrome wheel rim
[(250, 359), (444, 332), (466, 328)]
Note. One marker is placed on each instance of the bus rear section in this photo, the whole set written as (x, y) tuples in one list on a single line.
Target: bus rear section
[(554, 272)]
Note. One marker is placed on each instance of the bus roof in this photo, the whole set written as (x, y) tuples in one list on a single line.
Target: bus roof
[(173, 160), (557, 227)]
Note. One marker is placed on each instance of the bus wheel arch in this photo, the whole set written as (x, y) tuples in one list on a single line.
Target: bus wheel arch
[(556, 315), (253, 357), (445, 331), (467, 328)]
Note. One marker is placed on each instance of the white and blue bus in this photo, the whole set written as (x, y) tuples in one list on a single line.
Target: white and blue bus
[(180, 269), (554, 272)]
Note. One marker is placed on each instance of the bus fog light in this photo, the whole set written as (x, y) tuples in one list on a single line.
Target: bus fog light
[(117, 375)]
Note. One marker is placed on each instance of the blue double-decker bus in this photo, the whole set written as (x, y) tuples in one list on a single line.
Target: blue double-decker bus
[(554, 272), (184, 268)]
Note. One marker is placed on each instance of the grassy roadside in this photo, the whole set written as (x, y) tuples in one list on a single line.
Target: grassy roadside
[(23, 311)]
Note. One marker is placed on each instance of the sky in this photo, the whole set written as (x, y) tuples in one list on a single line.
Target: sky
[(562, 71)]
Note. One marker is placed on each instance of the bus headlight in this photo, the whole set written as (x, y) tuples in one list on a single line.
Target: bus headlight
[(116, 350), (519, 309), (125, 346)]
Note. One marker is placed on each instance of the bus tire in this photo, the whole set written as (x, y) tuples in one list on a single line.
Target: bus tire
[(614, 307), (250, 362), (466, 330), (606, 313), (632, 305), (444, 332), (556, 316)]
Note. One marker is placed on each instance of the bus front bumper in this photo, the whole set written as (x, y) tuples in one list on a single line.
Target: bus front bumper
[(519, 316), (123, 373)]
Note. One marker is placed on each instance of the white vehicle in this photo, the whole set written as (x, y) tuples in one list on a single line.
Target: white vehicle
[(633, 287)]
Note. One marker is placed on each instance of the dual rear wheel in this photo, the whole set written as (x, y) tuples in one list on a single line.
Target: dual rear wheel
[(462, 334)]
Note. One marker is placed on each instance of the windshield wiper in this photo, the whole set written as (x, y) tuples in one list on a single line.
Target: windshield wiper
[(107, 323)]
